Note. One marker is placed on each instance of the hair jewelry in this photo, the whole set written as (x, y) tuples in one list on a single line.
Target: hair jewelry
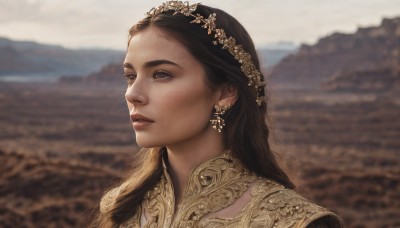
[(255, 78)]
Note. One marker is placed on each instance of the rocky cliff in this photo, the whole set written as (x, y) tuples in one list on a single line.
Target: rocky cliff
[(345, 58)]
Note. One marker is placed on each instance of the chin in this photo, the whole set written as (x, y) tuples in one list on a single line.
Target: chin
[(147, 143)]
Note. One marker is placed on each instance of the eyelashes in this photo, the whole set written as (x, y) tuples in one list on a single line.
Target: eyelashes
[(157, 75), (130, 78), (161, 75)]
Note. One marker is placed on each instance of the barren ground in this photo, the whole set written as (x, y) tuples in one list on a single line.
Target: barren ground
[(62, 146)]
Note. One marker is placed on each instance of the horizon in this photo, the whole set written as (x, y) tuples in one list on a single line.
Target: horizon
[(86, 25)]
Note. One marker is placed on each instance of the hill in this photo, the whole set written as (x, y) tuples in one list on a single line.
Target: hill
[(109, 73), (343, 57), (30, 58)]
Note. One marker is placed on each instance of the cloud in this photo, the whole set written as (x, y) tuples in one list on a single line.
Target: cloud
[(93, 23)]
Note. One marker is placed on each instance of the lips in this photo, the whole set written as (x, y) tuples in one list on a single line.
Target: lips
[(140, 122)]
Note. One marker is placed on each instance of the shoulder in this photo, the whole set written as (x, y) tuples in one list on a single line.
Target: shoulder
[(108, 199), (272, 203)]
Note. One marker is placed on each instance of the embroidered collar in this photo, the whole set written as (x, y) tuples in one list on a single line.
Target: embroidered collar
[(212, 186)]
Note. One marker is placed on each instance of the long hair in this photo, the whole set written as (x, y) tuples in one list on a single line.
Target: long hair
[(245, 134)]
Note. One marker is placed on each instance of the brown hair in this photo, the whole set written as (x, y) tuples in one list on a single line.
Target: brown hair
[(245, 134)]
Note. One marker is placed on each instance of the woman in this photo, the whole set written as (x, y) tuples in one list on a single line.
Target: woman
[(196, 100)]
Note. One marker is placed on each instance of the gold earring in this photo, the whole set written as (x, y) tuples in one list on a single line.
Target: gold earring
[(217, 122)]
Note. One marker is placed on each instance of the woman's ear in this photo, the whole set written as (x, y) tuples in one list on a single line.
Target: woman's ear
[(227, 95)]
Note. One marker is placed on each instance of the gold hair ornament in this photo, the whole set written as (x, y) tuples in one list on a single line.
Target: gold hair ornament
[(255, 79)]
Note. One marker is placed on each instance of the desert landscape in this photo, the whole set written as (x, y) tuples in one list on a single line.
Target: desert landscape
[(63, 145), (333, 112)]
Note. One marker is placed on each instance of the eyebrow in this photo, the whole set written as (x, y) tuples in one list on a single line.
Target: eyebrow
[(153, 63)]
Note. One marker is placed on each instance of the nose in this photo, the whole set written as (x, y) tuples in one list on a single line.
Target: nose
[(136, 94)]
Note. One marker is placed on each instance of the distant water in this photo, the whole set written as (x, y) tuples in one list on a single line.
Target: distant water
[(29, 78)]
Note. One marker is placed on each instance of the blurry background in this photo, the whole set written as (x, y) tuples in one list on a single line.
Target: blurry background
[(333, 72)]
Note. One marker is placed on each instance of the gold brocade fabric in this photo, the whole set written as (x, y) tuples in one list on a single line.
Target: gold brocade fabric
[(216, 185)]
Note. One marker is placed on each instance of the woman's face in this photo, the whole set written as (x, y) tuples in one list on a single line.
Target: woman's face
[(167, 96)]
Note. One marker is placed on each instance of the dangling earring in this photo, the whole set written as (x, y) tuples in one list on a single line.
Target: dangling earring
[(217, 122)]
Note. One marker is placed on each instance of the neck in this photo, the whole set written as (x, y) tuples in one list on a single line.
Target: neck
[(184, 157)]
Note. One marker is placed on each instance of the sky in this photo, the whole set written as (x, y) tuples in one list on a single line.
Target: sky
[(105, 24)]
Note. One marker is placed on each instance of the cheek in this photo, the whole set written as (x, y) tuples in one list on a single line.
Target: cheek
[(194, 100), (181, 117), (185, 111)]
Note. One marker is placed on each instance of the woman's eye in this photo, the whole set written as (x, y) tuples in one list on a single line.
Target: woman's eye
[(161, 75), (130, 77)]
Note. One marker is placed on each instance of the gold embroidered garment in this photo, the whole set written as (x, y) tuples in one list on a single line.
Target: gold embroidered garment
[(221, 192)]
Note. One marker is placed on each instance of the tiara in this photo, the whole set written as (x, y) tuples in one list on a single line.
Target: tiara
[(255, 78)]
